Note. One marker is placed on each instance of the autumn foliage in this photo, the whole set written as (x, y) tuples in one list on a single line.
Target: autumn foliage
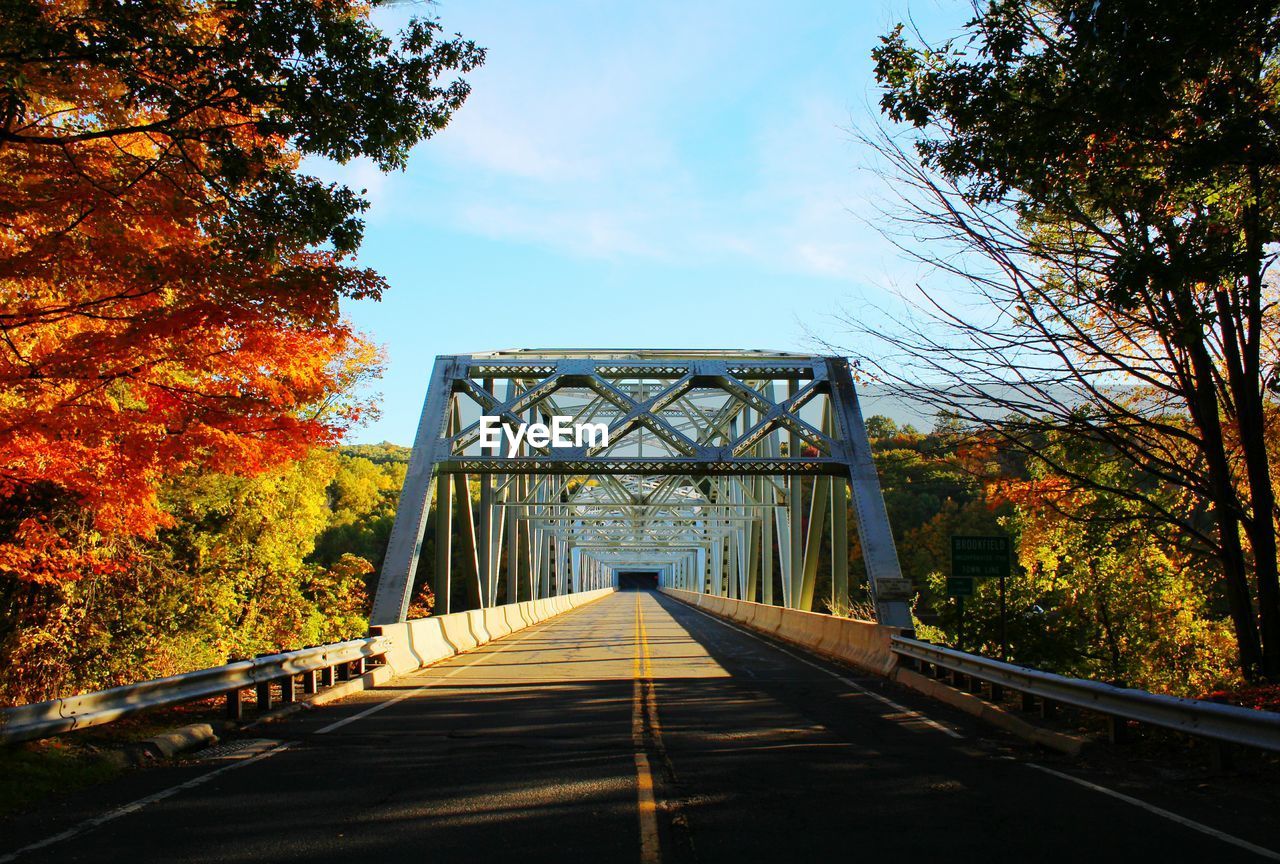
[(170, 274), (136, 346), (169, 280)]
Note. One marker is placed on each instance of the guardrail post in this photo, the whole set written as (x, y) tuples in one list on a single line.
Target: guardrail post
[(343, 671), (997, 693), (1047, 708), (1221, 757), (1028, 702), (357, 667), (264, 696), (309, 681), (326, 676), (1117, 729), (286, 690), (235, 707)]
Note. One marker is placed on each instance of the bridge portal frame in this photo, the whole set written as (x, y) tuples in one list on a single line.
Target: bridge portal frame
[(716, 460)]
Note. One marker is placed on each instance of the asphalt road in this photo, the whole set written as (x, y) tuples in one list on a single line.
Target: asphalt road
[(632, 729)]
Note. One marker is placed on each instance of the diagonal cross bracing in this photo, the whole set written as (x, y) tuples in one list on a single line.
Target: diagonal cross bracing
[(727, 471)]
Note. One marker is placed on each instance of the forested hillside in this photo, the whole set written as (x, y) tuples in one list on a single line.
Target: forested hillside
[(247, 565), (1096, 590)]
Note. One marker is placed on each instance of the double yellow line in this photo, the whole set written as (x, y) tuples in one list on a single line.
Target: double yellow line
[(644, 712)]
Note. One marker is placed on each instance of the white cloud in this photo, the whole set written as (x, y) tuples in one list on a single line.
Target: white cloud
[(595, 234), (685, 133)]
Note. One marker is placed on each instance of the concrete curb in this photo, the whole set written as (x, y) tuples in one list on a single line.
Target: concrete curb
[(991, 714), (865, 646), (367, 681), (168, 744), (341, 690), (382, 674)]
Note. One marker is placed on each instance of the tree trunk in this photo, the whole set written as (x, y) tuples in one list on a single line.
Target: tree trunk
[(1246, 390), (1262, 535), (1203, 404), (1241, 340)]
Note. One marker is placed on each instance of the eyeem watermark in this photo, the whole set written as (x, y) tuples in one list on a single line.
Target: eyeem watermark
[(562, 432)]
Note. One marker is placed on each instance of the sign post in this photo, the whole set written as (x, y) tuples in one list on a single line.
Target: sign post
[(979, 558)]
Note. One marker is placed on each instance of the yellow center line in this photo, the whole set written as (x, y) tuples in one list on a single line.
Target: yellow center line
[(650, 852), (651, 697)]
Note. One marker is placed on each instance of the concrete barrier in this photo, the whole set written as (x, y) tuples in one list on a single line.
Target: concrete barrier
[(864, 644), (423, 641)]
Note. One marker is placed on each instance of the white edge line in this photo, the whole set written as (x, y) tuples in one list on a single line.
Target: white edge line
[(1160, 811), (908, 712), (135, 806)]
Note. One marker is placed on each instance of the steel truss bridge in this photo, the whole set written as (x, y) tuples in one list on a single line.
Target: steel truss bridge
[(726, 471)]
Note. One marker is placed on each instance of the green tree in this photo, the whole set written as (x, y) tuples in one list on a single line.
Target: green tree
[(363, 496), (1111, 173), (1095, 591), (248, 541), (1120, 601), (880, 426), (921, 475), (304, 77)]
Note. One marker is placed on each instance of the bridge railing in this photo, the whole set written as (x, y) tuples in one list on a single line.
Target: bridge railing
[(56, 716), (1227, 723)]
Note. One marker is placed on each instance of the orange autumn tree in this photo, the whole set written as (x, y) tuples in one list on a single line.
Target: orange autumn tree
[(169, 277)]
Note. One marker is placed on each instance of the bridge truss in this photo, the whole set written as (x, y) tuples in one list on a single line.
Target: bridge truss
[(729, 472)]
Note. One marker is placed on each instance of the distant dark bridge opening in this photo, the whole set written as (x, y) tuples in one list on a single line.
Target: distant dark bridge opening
[(638, 580)]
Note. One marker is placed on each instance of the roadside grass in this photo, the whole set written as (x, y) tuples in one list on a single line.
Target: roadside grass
[(35, 772)]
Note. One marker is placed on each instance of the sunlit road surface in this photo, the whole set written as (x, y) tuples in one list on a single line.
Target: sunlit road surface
[(632, 729)]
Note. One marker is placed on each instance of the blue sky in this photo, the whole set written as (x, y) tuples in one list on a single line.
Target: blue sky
[(634, 175)]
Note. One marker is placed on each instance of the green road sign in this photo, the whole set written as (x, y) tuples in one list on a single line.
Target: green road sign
[(979, 558), (959, 586)]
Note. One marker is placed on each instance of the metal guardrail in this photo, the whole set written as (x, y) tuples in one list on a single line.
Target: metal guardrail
[(42, 719), (1228, 723)]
